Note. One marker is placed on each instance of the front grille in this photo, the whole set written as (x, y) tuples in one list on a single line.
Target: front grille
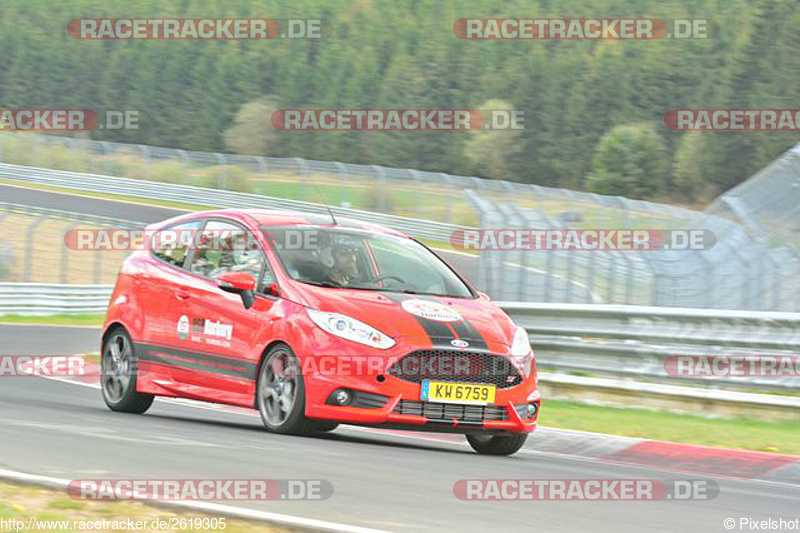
[(447, 412), (456, 366)]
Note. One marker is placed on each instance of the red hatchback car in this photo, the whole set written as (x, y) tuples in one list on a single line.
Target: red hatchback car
[(314, 322)]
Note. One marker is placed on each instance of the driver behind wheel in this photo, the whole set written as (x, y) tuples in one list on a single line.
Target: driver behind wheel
[(344, 264)]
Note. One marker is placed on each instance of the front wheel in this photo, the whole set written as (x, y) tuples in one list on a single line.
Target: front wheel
[(497, 444), (118, 373), (281, 396)]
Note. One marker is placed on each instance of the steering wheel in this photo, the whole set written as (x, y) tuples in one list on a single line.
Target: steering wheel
[(383, 277)]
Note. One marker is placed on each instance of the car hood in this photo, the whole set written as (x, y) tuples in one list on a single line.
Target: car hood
[(441, 319)]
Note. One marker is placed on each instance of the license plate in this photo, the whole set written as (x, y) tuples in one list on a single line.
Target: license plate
[(439, 391)]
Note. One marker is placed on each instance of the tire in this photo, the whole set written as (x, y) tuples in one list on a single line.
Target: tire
[(281, 396), (497, 444), (324, 426), (119, 369)]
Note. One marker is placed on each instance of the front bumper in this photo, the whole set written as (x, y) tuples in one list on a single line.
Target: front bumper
[(320, 388)]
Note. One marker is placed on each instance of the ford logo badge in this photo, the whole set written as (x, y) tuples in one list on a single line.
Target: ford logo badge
[(458, 343)]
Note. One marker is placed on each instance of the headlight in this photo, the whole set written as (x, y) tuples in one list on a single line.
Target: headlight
[(522, 344), (350, 329)]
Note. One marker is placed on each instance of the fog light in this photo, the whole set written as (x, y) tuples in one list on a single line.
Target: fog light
[(342, 397), (532, 410)]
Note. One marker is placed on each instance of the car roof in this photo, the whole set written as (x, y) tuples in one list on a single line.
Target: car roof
[(269, 217)]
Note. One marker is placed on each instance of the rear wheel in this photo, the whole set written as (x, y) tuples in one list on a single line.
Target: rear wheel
[(281, 395), (497, 444), (118, 372)]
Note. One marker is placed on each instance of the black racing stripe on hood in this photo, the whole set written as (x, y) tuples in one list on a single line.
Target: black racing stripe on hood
[(439, 332), (433, 328), (466, 330)]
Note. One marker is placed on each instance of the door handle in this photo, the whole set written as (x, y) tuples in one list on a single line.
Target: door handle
[(182, 294)]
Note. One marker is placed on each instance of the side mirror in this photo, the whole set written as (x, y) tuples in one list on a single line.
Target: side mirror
[(239, 283), (483, 296)]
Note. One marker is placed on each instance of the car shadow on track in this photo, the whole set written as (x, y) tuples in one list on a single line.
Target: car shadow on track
[(256, 427)]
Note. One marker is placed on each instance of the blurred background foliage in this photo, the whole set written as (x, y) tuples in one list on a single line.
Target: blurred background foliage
[(593, 109)]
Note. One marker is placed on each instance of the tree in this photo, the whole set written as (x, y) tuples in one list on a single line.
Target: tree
[(629, 161), (493, 151), (252, 132), (691, 168)]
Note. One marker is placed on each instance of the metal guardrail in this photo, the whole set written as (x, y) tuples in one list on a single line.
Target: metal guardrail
[(34, 299), (623, 342), (633, 342), (215, 198)]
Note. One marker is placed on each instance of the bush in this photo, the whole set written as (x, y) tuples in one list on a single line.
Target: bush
[(692, 169), (167, 171), (63, 158), (236, 179), (629, 161)]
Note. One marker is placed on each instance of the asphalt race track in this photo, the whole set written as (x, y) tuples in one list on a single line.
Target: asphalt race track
[(381, 480)]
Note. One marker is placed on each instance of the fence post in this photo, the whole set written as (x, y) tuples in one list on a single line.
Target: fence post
[(38, 148), (29, 248), (381, 188), (109, 160), (304, 178), (341, 174), (65, 252), (418, 182), (182, 161), (223, 185), (146, 157), (70, 145)]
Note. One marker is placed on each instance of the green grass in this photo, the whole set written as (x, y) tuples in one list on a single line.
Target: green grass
[(56, 320), (21, 502), (775, 437)]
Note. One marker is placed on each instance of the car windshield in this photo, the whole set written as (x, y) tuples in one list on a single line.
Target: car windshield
[(345, 258)]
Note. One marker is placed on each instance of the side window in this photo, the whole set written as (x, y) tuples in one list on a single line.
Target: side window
[(172, 244), (223, 247)]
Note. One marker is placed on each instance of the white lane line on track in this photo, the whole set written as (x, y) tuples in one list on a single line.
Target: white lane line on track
[(208, 507)]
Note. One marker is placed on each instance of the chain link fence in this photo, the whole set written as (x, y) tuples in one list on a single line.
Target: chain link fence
[(33, 250), (753, 266), (738, 272)]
